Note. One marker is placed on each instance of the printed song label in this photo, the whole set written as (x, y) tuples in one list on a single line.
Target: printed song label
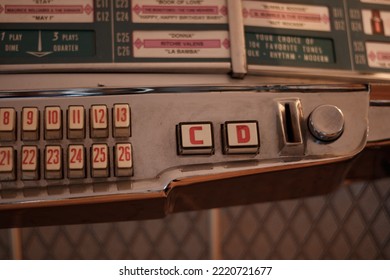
[(46, 11), (288, 16), (178, 11), (181, 44), (378, 55)]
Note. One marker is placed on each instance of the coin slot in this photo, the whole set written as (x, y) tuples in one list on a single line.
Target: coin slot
[(290, 119), (291, 124)]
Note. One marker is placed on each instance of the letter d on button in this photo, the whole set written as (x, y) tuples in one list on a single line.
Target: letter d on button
[(240, 137), (243, 134)]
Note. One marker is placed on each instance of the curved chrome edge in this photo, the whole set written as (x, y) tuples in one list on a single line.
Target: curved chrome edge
[(172, 178), (298, 72), (196, 68), (222, 171), (131, 67), (87, 199), (100, 91)]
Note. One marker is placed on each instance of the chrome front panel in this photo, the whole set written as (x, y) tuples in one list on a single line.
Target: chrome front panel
[(155, 112)]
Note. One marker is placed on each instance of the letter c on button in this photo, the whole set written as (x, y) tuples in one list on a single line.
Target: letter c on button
[(243, 134), (192, 135)]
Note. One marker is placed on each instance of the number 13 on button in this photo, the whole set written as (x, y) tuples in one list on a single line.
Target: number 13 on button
[(121, 116)]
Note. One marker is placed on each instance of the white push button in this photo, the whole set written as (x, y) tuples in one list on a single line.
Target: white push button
[(123, 160), (195, 138), (76, 122), (29, 159), (7, 124), (53, 162), (121, 119), (241, 137), (7, 164), (30, 123), (99, 121), (76, 161), (53, 123), (100, 160)]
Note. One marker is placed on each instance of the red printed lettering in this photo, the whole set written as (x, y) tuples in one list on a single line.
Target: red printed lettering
[(193, 139), (121, 114), (76, 116), (29, 156), (76, 155), (53, 117), (30, 117), (243, 134), (5, 157), (100, 154), (124, 153), (6, 117), (100, 116), (53, 156)]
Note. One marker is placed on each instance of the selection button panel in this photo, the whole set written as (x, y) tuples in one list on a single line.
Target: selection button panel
[(41, 144)]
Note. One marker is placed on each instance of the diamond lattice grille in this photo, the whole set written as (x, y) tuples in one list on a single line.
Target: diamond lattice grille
[(351, 223)]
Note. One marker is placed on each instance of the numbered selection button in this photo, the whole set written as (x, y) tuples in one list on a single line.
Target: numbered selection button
[(53, 162), (76, 122), (30, 163), (100, 161), (123, 159), (121, 120), (53, 123), (99, 121), (7, 164), (30, 123), (7, 124), (76, 161)]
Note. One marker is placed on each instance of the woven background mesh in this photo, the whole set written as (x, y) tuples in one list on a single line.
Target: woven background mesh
[(351, 223)]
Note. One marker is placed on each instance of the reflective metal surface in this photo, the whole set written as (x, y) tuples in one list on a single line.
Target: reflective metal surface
[(162, 186), (326, 123), (317, 128)]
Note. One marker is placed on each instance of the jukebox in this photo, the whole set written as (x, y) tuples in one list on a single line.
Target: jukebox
[(128, 110)]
